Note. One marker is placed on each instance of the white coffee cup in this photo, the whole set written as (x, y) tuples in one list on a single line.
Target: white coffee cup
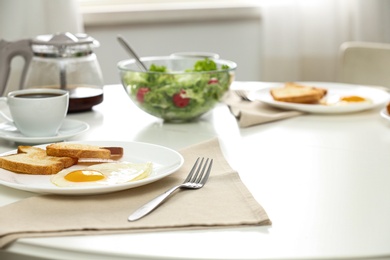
[(37, 112)]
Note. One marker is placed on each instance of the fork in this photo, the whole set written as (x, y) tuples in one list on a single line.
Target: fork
[(196, 179), (242, 94)]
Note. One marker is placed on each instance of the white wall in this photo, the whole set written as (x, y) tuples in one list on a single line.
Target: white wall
[(236, 39), (270, 40)]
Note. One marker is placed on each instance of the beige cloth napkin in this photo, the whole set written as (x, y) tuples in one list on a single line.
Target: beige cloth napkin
[(255, 112), (224, 201)]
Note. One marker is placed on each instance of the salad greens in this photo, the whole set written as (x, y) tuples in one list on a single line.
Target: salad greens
[(205, 65), (176, 96)]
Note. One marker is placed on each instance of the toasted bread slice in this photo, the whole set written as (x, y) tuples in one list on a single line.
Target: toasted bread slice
[(77, 151), (295, 93), (33, 160)]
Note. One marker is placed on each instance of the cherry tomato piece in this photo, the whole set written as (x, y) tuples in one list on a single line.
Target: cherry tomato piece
[(180, 100), (141, 93)]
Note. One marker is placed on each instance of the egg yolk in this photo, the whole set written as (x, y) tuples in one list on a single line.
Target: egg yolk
[(352, 99), (84, 176)]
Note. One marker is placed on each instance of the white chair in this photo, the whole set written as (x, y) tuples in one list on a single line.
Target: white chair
[(365, 63)]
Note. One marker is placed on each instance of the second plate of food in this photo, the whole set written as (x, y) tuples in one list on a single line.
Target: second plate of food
[(330, 104)]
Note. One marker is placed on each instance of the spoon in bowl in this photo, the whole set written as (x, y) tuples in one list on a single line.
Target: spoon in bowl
[(127, 47)]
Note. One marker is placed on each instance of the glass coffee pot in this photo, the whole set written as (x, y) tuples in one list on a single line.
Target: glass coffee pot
[(62, 61)]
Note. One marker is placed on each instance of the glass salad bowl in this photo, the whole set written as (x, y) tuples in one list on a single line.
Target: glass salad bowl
[(177, 89)]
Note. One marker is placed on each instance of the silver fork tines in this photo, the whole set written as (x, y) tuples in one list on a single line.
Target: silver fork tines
[(201, 180), (196, 179), (242, 94)]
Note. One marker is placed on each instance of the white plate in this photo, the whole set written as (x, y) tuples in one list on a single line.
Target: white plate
[(68, 129), (385, 114), (165, 161), (335, 90)]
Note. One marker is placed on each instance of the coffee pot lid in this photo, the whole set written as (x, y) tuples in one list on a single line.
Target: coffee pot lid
[(63, 45)]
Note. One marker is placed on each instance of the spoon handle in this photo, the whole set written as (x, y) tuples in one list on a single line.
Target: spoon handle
[(130, 50)]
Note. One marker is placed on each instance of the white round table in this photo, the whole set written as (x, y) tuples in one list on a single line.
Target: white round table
[(324, 181)]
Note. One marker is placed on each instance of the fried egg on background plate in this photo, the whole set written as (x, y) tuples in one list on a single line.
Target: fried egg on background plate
[(102, 174), (345, 100)]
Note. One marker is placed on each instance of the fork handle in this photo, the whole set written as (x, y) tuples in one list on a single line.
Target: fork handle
[(151, 205)]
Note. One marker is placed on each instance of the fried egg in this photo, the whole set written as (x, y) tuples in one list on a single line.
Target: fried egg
[(102, 174), (346, 100)]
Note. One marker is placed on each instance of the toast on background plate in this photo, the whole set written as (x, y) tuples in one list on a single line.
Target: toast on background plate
[(295, 93), (33, 160)]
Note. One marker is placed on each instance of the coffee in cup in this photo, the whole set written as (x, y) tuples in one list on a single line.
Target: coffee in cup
[(37, 112)]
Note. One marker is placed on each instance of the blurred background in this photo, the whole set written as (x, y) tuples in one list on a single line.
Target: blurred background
[(271, 40)]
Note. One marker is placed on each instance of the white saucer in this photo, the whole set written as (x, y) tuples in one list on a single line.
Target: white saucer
[(69, 128)]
